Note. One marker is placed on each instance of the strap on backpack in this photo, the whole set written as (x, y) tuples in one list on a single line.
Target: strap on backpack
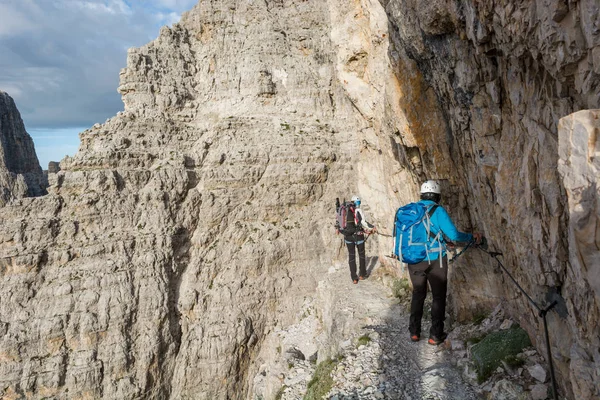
[(394, 238), (357, 218), (432, 209), (429, 213)]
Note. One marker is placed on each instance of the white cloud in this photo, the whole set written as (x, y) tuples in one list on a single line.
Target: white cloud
[(12, 21), (169, 11), (168, 19), (180, 5), (61, 58), (112, 7), (60, 61), (12, 90)]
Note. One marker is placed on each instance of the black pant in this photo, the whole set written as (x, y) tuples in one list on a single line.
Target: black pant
[(352, 258), (437, 277)]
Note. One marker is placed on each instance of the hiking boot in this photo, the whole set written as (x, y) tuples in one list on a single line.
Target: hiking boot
[(436, 341), (362, 277), (355, 281), (415, 338)]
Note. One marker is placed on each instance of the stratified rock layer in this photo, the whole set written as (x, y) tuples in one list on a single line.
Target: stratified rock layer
[(189, 232), (20, 171), (190, 226)]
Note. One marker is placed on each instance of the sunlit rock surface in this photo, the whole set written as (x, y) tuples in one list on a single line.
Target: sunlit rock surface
[(193, 225), (186, 241), (579, 166)]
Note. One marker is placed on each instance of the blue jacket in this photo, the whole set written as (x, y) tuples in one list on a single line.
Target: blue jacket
[(440, 220)]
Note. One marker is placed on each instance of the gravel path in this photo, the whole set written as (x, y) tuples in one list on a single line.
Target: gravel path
[(384, 363), (390, 366)]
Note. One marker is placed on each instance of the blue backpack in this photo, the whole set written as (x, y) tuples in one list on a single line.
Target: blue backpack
[(414, 238)]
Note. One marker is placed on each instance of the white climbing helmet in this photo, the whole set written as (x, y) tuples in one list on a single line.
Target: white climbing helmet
[(356, 200), (431, 187)]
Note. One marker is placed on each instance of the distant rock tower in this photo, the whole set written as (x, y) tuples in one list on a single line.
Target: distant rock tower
[(20, 171), (53, 167)]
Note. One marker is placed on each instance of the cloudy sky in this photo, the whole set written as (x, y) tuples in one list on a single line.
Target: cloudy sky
[(60, 61)]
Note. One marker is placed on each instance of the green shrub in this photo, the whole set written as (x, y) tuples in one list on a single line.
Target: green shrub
[(495, 347)]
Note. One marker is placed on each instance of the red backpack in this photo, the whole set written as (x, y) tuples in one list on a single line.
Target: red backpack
[(347, 222)]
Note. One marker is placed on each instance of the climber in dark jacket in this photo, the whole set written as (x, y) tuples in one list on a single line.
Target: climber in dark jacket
[(357, 240)]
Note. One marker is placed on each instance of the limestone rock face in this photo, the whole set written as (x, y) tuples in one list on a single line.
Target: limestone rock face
[(489, 82), (20, 171), (181, 246), (579, 167), (189, 228)]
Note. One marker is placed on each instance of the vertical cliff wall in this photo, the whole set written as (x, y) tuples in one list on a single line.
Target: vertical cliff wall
[(189, 230), (191, 226), (20, 171), (579, 168), (490, 82)]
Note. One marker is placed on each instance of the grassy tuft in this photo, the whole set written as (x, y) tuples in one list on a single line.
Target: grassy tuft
[(321, 382), (401, 289), (514, 361), (363, 340), (479, 318), (279, 394)]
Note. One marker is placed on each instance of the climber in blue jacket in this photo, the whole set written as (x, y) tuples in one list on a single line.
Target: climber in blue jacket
[(434, 270)]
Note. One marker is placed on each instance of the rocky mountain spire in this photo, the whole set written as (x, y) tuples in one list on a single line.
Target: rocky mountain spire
[(20, 171)]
